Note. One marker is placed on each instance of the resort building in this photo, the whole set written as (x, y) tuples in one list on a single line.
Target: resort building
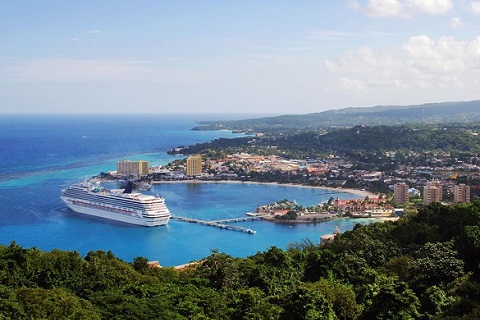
[(127, 167), (194, 165), (432, 192), (400, 192), (461, 193)]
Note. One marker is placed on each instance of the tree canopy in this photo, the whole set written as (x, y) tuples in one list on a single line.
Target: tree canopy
[(424, 266)]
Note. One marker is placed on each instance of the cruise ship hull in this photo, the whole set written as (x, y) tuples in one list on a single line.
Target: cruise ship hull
[(116, 216), (123, 206)]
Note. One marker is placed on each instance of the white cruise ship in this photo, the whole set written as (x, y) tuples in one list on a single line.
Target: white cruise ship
[(118, 204)]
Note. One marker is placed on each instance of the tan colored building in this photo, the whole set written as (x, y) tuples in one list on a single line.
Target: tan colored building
[(127, 167), (461, 193), (432, 192), (400, 192), (194, 165)]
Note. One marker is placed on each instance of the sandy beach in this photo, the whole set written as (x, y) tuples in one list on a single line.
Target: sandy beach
[(362, 194)]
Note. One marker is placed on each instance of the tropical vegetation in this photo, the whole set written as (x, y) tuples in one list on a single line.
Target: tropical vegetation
[(364, 143), (425, 114), (424, 266)]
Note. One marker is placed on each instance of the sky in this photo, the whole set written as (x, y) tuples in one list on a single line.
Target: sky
[(269, 56)]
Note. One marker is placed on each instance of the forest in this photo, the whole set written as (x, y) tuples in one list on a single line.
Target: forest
[(423, 266), (464, 112), (355, 141)]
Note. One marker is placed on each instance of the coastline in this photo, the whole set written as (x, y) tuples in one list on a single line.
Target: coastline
[(320, 218), (361, 193)]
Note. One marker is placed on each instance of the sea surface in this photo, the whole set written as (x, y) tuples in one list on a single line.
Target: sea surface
[(42, 154)]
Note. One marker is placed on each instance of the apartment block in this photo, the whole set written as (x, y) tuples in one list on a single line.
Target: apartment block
[(400, 192), (127, 167), (461, 193), (194, 165), (432, 192)]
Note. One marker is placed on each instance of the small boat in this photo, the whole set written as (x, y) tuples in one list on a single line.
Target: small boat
[(254, 214)]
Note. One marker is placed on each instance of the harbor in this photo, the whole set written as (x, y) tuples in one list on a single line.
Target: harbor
[(34, 208), (221, 224)]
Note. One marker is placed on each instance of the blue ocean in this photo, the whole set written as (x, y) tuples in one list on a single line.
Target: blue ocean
[(42, 154)]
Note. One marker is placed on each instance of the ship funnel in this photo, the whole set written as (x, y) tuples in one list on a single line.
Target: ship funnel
[(129, 187)]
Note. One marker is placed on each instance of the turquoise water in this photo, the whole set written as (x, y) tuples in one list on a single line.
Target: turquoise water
[(41, 155)]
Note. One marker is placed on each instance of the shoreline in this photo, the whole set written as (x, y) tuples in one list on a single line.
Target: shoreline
[(362, 193)]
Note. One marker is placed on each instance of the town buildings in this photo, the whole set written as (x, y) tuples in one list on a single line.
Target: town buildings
[(400, 192), (194, 165), (127, 167), (432, 192), (461, 193), (408, 182)]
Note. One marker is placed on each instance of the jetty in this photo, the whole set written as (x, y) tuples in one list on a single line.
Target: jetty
[(233, 220), (221, 224)]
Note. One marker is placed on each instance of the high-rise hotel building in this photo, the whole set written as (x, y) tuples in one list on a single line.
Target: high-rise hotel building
[(432, 192), (400, 192), (194, 165), (127, 167), (461, 193)]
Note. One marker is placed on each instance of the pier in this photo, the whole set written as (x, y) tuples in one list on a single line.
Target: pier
[(242, 219), (220, 223)]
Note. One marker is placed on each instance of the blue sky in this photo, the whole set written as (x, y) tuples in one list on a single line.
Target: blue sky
[(280, 57)]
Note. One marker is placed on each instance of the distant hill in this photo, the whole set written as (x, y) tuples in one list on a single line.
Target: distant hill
[(361, 139), (431, 113)]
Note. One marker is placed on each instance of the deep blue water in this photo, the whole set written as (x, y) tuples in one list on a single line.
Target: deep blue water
[(41, 155)]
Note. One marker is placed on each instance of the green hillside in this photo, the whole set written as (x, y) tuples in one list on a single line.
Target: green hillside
[(425, 266), (454, 138), (432, 113)]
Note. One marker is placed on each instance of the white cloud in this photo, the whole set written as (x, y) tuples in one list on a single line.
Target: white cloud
[(352, 85), (447, 56), (330, 35), (405, 8), (364, 69), (353, 4), (384, 8), (475, 7), (456, 22), (431, 68), (433, 6)]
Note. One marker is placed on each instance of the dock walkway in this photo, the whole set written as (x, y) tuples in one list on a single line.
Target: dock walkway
[(219, 223), (242, 219)]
